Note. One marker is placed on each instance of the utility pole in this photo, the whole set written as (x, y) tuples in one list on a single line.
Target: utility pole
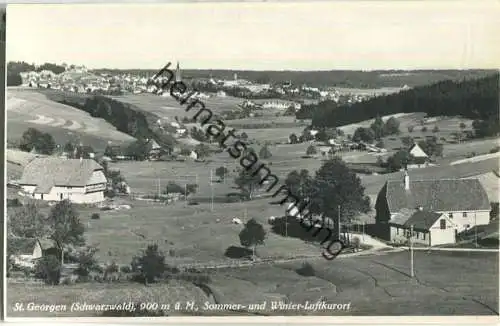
[(338, 222), (412, 273), (475, 229), (185, 194), (211, 192)]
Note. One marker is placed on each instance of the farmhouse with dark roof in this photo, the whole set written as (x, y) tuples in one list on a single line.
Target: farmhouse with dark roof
[(55, 179), (437, 209)]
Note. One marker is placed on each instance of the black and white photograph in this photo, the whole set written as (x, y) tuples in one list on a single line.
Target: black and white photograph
[(243, 159)]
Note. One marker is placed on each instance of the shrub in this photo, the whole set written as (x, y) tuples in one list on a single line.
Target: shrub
[(265, 152), (150, 265), (471, 154), (95, 216), (435, 129), (48, 268), (306, 270), (125, 269), (424, 129), (14, 202), (410, 128), (87, 262), (495, 149), (311, 150)]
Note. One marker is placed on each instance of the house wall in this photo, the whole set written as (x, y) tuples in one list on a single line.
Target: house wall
[(442, 236), (417, 166), (399, 235), (37, 251), (472, 218), (74, 194)]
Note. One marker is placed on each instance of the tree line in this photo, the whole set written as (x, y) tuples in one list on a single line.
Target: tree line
[(124, 117), (476, 99)]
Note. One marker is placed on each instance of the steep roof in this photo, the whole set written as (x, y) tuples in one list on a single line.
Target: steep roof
[(54, 171), (416, 151), (25, 246), (437, 195), (422, 220)]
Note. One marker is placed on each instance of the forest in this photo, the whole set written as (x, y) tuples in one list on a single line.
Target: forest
[(476, 99)]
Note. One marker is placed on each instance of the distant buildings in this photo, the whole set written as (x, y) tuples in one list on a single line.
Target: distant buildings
[(55, 179), (419, 158)]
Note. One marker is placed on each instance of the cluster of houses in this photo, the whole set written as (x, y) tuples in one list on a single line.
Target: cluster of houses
[(79, 79)]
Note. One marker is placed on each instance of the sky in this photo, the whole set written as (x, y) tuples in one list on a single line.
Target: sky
[(360, 35)]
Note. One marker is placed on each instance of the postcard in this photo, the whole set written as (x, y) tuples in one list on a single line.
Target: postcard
[(323, 159)]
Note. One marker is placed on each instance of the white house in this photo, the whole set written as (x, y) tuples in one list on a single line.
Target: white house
[(429, 228), (418, 152), (55, 179), (464, 202), (25, 251)]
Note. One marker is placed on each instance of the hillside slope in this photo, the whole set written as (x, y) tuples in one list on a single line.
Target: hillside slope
[(31, 109), (473, 99)]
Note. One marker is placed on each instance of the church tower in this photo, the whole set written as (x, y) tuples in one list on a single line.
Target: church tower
[(178, 73)]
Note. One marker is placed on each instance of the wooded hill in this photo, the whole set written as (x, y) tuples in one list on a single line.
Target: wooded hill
[(476, 99)]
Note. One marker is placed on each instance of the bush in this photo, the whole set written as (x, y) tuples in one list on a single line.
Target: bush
[(495, 150), (14, 202), (87, 263), (410, 128), (424, 129), (471, 154), (435, 129), (95, 216), (306, 270), (311, 150), (125, 269), (265, 152), (48, 268), (150, 265)]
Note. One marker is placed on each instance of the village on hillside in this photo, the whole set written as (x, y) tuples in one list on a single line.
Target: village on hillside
[(249, 192)]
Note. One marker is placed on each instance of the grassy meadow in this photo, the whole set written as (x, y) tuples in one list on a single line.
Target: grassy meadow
[(446, 283), (31, 109)]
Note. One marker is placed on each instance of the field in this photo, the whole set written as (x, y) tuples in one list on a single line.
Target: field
[(30, 109), (446, 283), (169, 107), (192, 233)]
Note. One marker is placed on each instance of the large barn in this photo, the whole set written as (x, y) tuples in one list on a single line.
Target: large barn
[(54, 179), (461, 203)]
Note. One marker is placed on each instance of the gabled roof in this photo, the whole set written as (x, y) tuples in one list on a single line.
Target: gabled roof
[(437, 195), (25, 246), (54, 171), (422, 220), (416, 151)]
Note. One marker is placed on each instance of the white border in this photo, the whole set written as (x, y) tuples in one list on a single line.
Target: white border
[(310, 320)]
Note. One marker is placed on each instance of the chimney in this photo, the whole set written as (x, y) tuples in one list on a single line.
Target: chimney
[(407, 180)]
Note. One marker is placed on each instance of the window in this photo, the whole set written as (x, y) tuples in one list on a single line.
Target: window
[(464, 214), (397, 231), (450, 215), (442, 224)]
